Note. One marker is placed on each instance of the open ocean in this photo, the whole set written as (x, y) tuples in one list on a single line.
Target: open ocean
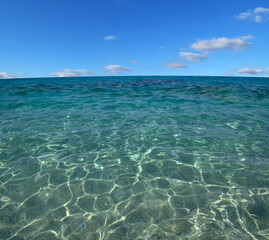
[(138, 158)]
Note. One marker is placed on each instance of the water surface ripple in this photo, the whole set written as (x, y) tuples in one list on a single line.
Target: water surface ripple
[(140, 158)]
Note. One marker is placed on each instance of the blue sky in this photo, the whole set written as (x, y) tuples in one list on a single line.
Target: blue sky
[(134, 37)]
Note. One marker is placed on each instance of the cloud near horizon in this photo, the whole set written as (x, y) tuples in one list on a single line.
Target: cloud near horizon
[(4, 75), (175, 65), (250, 71), (116, 69), (67, 72), (222, 43), (193, 56), (258, 15), (267, 69), (107, 38)]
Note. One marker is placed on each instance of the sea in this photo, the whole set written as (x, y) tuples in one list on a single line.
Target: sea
[(134, 158)]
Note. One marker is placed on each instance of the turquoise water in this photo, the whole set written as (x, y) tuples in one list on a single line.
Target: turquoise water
[(134, 158)]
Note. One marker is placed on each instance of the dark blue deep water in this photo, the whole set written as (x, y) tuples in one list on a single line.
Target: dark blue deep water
[(134, 158)]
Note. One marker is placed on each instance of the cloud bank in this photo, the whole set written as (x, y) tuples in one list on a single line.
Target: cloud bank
[(222, 43), (258, 15), (4, 75), (67, 72)]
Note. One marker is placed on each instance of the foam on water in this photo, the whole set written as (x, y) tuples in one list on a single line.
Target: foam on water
[(134, 158)]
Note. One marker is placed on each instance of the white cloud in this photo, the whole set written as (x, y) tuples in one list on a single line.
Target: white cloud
[(250, 71), (82, 71), (267, 69), (222, 43), (258, 18), (192, 56), (259, 14), (117, 68), (248, 37), (244, 15), (71, 73), (261, 10), (175, 65), (107, 38), (133, 61), (228, 74), (4, 75)]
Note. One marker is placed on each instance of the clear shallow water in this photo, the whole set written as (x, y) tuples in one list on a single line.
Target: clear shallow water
[(134, 158)]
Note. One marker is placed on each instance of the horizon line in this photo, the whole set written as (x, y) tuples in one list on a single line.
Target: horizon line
[(104, 76)]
